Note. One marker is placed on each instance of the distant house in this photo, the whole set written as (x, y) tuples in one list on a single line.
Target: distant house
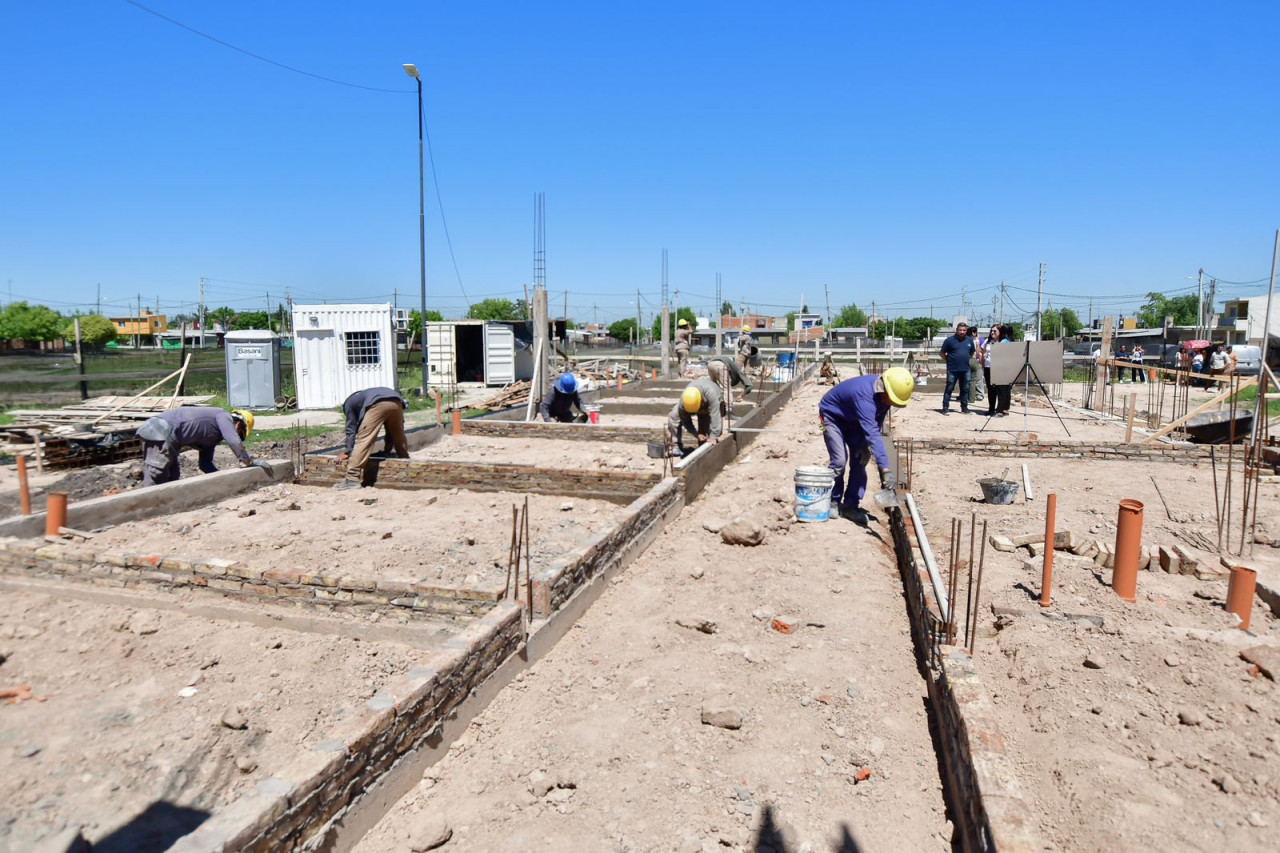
[(1242, 320), (145, 326)]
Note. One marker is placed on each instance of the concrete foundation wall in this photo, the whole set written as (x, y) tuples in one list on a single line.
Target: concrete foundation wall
[(308, 799), (1004, 447), (570, 432)]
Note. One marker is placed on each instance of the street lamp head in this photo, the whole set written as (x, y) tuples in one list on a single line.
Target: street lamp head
[(411, 70)]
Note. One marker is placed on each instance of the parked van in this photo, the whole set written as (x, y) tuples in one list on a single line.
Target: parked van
[(1248, 359)]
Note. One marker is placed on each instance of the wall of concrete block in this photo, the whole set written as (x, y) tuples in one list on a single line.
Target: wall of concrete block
[(322, 590), (302, 803), (1061, 449), (566, 432)]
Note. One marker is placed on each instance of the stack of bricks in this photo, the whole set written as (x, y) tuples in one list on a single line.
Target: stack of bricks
[(616, 486), (309, 797), (1063, 449), (406, 598)]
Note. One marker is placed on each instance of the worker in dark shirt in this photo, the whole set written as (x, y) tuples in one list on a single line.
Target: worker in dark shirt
[(368, 413), (957, 350), (852, 414), (559, 403), (202, 427)]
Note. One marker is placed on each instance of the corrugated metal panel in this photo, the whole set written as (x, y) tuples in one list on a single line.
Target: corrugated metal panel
[(341, 349), (499, 354), (440, 353)]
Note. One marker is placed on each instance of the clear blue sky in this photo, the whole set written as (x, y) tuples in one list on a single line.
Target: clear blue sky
[(893, 151)]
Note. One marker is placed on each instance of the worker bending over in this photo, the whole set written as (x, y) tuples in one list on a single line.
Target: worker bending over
[(852, 414), (368, 413), (725, 373), (561, 400), (684, 341), (700, 400), (202, 427)]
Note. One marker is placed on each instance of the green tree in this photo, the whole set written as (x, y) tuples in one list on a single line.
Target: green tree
[(250, 320), (726, 309), (95, 330), (1059, 323), (1182, 309), (623, 329), (496, 309), (223, 316), (850, 316), (415, 321), (685, 314), (30, 323)]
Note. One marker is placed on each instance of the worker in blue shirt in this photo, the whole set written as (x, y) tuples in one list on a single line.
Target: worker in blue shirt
[(956, 352), (561, 400), (852, 414)]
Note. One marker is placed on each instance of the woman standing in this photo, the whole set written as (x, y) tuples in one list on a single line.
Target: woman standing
[(997, 395)]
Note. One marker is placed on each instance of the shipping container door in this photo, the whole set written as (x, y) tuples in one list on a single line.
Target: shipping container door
[(440, 354), (315, 356), (499, 354)]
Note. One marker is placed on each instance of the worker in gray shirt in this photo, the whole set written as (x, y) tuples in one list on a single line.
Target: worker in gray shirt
[(368, 413), (202, 427), (701, 400)]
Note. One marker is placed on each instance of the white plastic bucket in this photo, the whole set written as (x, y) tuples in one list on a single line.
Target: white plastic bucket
[(813, 493)]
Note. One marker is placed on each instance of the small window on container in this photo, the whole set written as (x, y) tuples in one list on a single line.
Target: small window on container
[(363, 348)]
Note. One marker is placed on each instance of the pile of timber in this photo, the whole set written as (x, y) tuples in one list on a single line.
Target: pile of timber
[(515, 394)]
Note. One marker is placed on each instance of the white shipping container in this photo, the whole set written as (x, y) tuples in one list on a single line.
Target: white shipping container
[(471, 352), (341, 349)]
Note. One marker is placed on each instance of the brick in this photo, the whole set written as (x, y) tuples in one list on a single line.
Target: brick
[(282, 576), (176, 564), (1106, 556), (1002, 543), (213, 565), (1188, 561), (249, 573), (142, 561), (1169, 561), (225, 584)]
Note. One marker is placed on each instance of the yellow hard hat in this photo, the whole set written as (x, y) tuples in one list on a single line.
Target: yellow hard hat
[(898, 385), (683, 322), (745, 327), (691, 399), (245, 417)]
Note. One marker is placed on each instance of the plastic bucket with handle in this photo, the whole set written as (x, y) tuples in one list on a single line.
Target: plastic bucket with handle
[(813, 493)]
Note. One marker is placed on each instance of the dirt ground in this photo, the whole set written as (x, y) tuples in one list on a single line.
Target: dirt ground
[(543, 452), (613, 715), (144, 721), (459, 539), (1164, 737)]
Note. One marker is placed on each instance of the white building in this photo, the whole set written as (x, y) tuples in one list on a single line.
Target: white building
[(341, 349), (1243, 319)]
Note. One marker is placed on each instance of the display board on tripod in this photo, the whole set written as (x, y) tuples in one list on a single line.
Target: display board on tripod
[(1009, 362)]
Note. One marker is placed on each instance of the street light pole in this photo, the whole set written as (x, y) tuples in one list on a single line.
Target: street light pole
[(412, 71)]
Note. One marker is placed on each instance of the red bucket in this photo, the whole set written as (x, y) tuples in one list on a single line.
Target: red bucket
[(593, 416)]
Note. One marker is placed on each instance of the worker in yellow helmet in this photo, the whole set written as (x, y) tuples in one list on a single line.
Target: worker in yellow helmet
[(852, 414), (202, 427), (746, 348), (700, 401), (684, 341)]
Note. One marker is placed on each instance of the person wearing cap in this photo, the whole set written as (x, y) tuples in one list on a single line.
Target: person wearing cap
[(368, 413), (700, 400), (852, 414), (746, 346), (726, 374), (202, 427), (684, 340), (561, 400)]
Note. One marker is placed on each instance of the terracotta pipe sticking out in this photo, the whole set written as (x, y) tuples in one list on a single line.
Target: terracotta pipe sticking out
[(619, 381), (1240, 593), (55, 514), (1124, 578), (24, 491), (438, 416), (1046, 574), (457, 422)]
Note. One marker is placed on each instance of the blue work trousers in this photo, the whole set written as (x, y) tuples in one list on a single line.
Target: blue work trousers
[(954, 376), (846, 445)]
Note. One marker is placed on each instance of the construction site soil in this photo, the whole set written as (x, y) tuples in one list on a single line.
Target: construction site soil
[(450, 537), (1148, 730), (602, 745), (143, 721), (542, 452)]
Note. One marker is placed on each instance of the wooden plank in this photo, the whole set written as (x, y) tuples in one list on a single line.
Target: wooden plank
[(1203, 407), (1128, 430)]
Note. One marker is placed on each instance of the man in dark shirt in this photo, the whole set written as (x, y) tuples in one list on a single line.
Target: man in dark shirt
[(368, 412), (956, 351), (561, 400), (202, 427)]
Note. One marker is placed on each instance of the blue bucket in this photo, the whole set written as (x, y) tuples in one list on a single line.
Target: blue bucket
[(786, 359), (813, 493)]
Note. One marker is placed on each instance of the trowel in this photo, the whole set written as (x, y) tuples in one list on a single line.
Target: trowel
[(886, 499)]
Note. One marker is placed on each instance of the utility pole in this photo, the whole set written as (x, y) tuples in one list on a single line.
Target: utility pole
[(202, 323), (1039, 298), (1208, 308), (137, 325), (719, 315), (827, 331), (1200, 304), (289, 301), (664, 353), (1002, 304), (638, 318)]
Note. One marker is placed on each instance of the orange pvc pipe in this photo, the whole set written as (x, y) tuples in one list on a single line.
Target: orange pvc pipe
[(1240, 593), (457, 423), (619, 381), (438, 416), (55, 514), (24, 491), (1046, 574), (1124, 577)]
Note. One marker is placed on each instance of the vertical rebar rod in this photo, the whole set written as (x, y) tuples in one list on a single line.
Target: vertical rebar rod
[(956, 533), (1217, 502), (968, 596), (528, 561), (977, 592)]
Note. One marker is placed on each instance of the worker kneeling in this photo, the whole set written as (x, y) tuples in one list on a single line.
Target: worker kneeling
[(700, 400), (368, 413), (202, 427), (852, 414), (559, 404)]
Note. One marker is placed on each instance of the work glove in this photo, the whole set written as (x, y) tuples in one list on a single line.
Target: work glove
[(888, 480), (261, 463)]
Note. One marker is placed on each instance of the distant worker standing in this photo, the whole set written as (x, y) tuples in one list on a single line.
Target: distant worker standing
[(746, 348), (368, 412), (701, 400), (852, 414), (202, 427), (956, 352), (559, 403), (684, 341)]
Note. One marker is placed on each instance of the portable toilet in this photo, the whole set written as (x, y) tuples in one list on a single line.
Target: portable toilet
[(253, 369)]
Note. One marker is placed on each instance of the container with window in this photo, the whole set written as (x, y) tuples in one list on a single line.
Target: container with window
[(341, 349)]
